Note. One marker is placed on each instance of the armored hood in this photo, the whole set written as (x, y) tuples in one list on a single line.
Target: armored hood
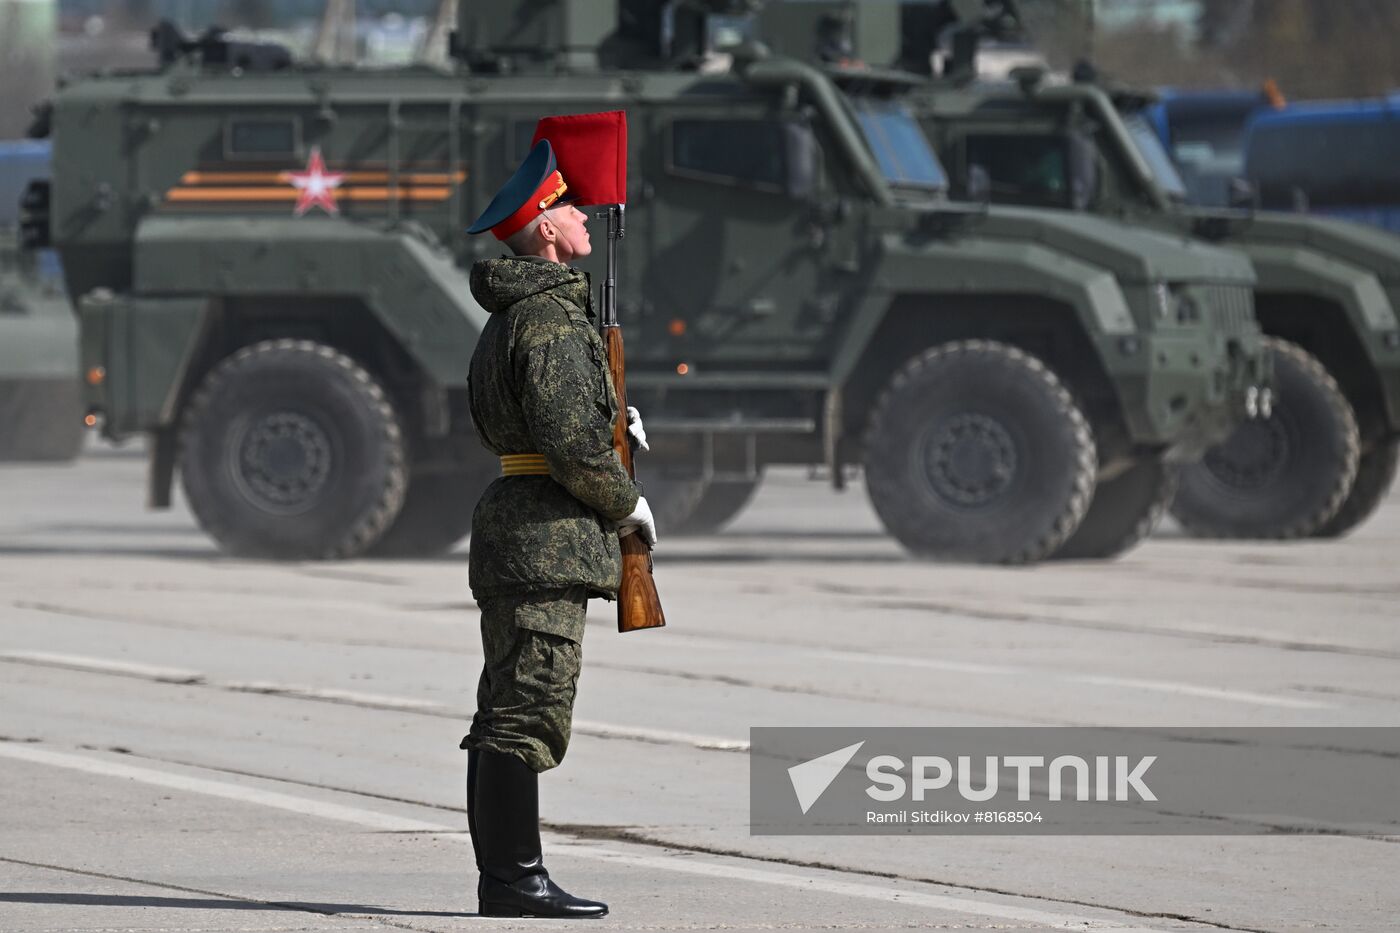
[(499, 283)]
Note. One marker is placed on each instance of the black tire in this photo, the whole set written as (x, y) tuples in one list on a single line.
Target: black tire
[(693, 506), (673, 499), (436, 513), (1375, 474), (1284, 476), (977, 452), (1124, 511), (291, 450), (721, 504)]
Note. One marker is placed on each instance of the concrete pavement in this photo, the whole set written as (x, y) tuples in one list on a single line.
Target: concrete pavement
[(192, 742)]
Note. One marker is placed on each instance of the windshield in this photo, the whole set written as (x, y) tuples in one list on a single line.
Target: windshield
[(1150, 148), (899, 144)]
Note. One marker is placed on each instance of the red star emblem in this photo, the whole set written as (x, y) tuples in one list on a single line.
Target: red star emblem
[(315, 186)]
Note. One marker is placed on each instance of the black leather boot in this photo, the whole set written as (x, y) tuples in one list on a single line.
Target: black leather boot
[(514, 882)]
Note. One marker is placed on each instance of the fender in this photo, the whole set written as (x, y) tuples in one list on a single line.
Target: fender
[(968, 266), (1359, 293), (1299, 269), (411, 286)]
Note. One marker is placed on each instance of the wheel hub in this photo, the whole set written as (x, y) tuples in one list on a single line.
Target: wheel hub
[(1251, 457), (969, 459), (283, 461)]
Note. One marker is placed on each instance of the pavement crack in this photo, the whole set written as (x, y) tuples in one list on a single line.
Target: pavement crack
[(1384, 592), (992, 615), (587, 832), (1342, 691), (731, 681), (75, 612), (594, 833)]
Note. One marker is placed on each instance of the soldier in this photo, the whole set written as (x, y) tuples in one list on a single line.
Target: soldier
[(545, 534)]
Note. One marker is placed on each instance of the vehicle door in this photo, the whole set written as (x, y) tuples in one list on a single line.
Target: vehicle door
[(733, 271)]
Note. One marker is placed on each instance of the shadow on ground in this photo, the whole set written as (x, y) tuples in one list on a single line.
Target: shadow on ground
[(208, 903)]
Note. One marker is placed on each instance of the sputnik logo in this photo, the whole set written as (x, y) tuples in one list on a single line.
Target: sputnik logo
[(315, 186), (811, 778)]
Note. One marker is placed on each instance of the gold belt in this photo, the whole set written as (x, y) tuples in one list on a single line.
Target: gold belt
[(524, 465)]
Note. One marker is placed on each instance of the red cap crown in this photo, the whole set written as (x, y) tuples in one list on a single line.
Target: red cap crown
[(591, 149)]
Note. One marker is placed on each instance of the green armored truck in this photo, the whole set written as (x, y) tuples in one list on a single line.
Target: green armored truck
[(269, 266), (1326, 296)]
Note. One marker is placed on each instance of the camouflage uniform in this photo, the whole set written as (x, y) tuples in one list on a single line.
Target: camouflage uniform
[(540, 545)]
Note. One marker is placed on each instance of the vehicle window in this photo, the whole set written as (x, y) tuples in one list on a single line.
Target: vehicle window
[(1217, 131), (1150, 148), (1220, 138), (1023, 169), (262, 138), (1341, 163), (745, 152), (899, 145)]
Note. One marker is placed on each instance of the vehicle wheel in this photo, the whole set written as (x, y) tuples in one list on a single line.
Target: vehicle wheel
[(673, 499), (1374, 476), (977, 452), (437, 512), (693, 506), (1124, 511), (721, 504), (1283, 476), (291, 450)]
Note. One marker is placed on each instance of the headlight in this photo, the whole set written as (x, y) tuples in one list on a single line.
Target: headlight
[(1163, 295), (1174, 304)]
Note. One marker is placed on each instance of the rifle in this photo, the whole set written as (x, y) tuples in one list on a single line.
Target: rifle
[(638, 604)]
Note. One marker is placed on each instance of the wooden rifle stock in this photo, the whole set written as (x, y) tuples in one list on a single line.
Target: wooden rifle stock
[(638, 603)]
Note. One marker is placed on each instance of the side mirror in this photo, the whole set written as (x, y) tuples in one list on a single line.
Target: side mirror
[(1242, 194), (803, 160), (979, 184), (1083, 172)]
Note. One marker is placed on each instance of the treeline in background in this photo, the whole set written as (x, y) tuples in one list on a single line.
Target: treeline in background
[(1311, 48)]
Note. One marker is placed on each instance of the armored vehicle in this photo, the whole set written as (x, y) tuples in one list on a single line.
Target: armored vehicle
[(271, 277), (1325, 458)]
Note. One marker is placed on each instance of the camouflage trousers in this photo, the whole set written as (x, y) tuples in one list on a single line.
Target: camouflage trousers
[(525, 699)]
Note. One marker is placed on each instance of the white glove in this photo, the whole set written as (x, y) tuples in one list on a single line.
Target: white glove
[(639, 519), (634, 428)]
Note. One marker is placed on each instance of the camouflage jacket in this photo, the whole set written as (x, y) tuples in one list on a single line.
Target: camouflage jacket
[(539, 383)]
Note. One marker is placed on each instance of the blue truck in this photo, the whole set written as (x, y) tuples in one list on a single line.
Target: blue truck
[(1339, 158), (1336, 158), (1204, 132)]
